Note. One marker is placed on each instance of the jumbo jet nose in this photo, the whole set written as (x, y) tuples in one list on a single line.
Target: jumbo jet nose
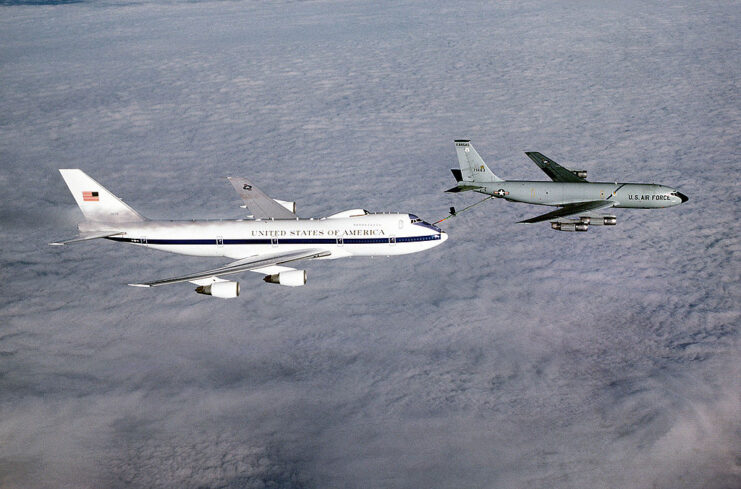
[(683, 197)]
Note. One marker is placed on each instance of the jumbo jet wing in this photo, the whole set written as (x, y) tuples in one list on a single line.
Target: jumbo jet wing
[(260, 205), (572, 209), (250, 263), (557, 172)]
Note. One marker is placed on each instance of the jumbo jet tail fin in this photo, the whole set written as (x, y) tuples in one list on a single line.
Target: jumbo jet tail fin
[(473, 168), (95, 201)]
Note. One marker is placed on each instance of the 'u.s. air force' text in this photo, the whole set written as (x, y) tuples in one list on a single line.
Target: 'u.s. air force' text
[(648, 197)]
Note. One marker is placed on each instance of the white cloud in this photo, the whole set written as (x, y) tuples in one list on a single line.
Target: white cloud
[(510, 356)]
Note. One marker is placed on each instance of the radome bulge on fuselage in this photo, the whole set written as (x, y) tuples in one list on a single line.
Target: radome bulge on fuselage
[(578, 199), (271, 238)]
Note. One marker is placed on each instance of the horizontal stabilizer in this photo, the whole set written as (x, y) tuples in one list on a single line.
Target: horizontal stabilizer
[(86, 237), (572, 209), (463, 188)]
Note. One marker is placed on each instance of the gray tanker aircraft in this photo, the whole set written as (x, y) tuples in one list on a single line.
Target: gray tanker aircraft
[(272, 237), (578, 199)]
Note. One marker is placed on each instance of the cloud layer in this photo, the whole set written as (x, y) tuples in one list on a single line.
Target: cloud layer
[(511, 356)]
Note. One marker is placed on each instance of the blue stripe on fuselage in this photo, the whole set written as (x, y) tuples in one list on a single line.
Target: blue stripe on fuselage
[(157, 241)]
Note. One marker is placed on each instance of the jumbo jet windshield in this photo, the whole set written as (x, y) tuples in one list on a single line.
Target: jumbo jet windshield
[(419, 222)]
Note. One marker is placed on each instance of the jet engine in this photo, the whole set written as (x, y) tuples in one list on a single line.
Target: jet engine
[(580, 173), (291, 278), (223, 290), (599, 220), (569, 226)]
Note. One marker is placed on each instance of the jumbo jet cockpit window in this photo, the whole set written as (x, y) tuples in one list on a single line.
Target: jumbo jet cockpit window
[(419, 222)]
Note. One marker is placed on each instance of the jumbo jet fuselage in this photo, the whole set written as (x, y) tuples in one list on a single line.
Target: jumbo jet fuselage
[(356, 234)]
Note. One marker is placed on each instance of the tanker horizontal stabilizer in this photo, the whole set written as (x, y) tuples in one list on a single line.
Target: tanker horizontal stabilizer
[(463, 188)]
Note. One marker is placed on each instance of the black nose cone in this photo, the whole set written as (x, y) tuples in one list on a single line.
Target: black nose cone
[(683, 197)]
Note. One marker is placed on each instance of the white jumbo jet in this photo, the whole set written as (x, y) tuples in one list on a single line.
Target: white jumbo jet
[(264, 243)]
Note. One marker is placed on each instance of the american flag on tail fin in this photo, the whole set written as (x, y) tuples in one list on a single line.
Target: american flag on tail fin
[(90, 196)]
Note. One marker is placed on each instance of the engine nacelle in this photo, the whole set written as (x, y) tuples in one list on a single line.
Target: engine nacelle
[(222, 290), (580, 173), (570, 226), (291, 278), (291, 206), (601, 220)]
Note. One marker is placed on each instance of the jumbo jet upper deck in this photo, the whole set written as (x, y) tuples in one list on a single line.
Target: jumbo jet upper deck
[(272, 237)]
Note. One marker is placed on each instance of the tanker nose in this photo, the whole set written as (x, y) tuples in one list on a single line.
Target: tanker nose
[(682, 198)]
